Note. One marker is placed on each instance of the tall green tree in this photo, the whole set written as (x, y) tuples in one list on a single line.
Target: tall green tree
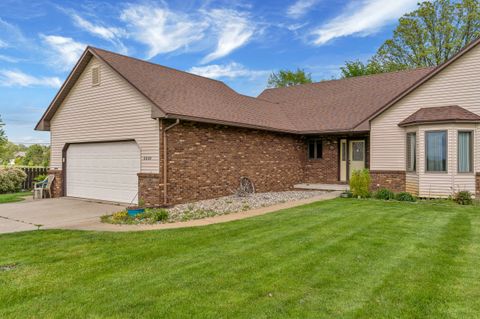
[(284, 78), (428, 36), (432, 34)]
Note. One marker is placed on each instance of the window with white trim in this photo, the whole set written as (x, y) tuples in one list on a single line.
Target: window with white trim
[(411, 152), (465, 151), (436, 151)]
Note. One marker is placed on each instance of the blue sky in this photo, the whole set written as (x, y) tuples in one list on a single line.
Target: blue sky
[(238, 42)]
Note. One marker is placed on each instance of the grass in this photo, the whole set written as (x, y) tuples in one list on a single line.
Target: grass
[(342, 258), (13, 197)]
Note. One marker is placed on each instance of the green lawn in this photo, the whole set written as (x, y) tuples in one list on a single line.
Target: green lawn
[(13, 197), (343, 258)]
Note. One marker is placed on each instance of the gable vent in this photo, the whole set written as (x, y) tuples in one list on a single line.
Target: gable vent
[(95, 76)]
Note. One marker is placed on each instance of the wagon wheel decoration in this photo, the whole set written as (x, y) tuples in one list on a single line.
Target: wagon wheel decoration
[(246, 186)]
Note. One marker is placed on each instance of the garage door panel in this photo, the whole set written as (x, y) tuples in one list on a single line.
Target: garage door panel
[(105, 171)]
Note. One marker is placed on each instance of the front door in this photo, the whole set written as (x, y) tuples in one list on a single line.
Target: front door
[(356, 155), (343, 160)]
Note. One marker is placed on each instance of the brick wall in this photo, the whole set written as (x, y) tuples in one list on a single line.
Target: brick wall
[(392, 180), (207, 161), (324, 170), (149, 188), (57, 186)]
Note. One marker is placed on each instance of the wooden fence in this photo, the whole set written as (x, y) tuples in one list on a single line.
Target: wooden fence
[(32, 173)]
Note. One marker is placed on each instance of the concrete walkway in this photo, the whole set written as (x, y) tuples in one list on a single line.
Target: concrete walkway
[(95, 224), (51, 213)]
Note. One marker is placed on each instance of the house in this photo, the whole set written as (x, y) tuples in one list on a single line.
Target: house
[(123, 129)]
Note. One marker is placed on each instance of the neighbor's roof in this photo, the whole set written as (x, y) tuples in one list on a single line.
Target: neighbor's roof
[(453, 113), (345, 105)]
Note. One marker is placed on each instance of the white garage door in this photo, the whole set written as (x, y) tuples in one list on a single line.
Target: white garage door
[(105, 171)]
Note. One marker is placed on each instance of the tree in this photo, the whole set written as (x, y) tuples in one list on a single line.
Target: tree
[(428, 36), (3, 138), (432, 34), (35, 155), (284, 78)]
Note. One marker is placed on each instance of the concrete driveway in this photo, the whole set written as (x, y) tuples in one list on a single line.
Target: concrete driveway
[(51, 213)]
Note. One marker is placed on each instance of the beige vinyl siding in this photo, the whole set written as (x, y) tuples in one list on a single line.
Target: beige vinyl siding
[(458, 84), (113, 110)]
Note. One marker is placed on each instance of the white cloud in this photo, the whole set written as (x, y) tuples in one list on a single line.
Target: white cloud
[(3, 44), (8, 59), (66, 51), (234, 29), (300, 8), (111, 34), (18, 78), (362, 18), (107, 33), (161, 29), (231, 70)]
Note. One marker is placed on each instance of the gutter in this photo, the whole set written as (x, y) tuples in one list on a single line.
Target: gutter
[(165, 160)]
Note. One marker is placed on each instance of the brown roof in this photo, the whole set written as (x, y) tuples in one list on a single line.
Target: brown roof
[(344, 105), (453, 113), (341, 105)]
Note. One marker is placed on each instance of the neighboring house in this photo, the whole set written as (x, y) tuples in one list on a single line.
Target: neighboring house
[(120, 126), (17, 157)]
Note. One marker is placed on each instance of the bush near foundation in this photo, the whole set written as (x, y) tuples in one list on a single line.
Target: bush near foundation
[(360, 183), (384, 194), (463, 198)]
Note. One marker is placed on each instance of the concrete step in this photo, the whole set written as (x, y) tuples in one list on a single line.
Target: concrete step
[(323, 187)]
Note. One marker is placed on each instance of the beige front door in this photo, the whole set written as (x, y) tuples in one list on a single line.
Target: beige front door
[(343, 160), (356, 155)]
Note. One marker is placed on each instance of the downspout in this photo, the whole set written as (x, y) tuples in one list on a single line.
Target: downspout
[(165, 161)]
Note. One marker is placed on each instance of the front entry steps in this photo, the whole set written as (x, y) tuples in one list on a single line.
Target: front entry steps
[(323, 187)]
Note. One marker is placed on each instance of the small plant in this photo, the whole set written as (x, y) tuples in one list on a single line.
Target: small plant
[(40, 178), (405, 197), (160, 215), (360, 183), (121, 217), (384, 194), (463, 198)]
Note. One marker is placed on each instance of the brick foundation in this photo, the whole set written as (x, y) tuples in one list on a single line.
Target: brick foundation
[(57, 186), (149, 188), (392, 180)]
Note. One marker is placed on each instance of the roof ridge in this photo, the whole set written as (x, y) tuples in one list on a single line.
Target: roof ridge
[(350, 78), (161, 66)]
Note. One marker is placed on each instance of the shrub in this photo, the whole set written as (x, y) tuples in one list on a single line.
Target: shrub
[(463, 198), (384, 194), (153, 215), (11, 180), (159, 215), (405, 197), (360, 183)]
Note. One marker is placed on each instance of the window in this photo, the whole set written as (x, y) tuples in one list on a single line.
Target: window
[(411, 152), (358, 151), (315, 149), (95, 76), (465, 149), (436, 151)]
